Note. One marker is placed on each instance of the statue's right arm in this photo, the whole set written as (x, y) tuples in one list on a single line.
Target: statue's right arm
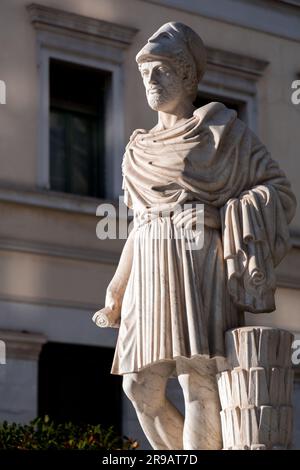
[(110, 315)]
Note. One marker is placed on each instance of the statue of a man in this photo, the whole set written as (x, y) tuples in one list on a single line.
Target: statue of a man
[(174, 304)]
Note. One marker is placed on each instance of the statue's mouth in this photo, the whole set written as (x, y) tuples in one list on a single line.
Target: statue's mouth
[(154, 90)]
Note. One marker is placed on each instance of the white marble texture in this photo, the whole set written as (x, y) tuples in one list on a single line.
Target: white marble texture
[(173, 304), (256, 389), (164, 426)]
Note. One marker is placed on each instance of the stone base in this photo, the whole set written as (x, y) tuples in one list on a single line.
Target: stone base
[(256, 390)]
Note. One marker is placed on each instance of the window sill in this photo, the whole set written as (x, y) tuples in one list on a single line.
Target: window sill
[(52, 199)]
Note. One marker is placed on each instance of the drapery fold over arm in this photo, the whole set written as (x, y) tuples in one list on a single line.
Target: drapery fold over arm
[(256, 235)]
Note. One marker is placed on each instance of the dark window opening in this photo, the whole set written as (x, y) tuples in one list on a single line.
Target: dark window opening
[(75, 385), (77, 128), (239, 106)]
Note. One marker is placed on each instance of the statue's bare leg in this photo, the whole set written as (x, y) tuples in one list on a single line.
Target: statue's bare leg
[(160, 420), (202, 426)]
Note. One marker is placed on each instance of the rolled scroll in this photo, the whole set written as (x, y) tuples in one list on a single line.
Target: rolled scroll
[(105, 318)]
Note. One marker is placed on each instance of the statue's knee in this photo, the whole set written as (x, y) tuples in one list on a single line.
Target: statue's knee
[(131, 388), (142, 396)]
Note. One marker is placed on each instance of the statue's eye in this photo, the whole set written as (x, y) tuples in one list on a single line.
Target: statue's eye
[(164, 70)]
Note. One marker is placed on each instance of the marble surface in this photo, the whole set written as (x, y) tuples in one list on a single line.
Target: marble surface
[(256, 389), (173, 303)]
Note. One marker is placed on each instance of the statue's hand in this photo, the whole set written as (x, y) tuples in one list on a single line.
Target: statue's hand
[(110, 315), (106, 318)]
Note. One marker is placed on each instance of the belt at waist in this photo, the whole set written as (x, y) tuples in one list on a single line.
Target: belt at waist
[(188, 215)]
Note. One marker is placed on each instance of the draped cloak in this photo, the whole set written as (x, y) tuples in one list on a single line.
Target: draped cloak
[(179, 302)]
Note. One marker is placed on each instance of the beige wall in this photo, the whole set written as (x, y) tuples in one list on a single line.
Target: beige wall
[(278, 119), (46, 276), (286, 315)]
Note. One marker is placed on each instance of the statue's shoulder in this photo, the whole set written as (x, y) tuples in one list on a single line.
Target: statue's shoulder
[(215, 112), (134, 135)]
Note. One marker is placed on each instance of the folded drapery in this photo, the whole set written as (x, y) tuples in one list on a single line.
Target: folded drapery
[(255, 239), (180, 299), (190, 215), (214, 159)]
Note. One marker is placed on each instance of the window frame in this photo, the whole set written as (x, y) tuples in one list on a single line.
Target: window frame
[(88, 42), (97, 179), (114, 145), (235, 77)]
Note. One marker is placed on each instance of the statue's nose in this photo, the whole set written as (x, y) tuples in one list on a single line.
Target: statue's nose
[(153, 77)]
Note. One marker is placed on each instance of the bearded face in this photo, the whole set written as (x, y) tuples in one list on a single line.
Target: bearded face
[(164, 87)]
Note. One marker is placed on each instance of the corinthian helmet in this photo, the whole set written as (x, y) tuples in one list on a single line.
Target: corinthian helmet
[(177, 43)]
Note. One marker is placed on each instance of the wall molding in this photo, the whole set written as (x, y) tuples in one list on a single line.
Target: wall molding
[(48, 199), (278, 18), (60, 251), (47, 302), (22, 345), (43, 17), (250, 67)]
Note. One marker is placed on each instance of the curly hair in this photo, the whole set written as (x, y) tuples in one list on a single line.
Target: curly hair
[(186, 69)]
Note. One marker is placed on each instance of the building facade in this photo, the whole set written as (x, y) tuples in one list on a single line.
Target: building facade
[(70, 97)]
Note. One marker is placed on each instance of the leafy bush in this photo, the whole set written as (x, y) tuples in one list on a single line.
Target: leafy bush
[(44, 434)]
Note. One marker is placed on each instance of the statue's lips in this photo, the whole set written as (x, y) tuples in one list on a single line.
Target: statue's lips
[(154, 91)]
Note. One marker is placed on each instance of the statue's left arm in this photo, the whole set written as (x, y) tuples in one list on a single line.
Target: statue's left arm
[(255, 228)]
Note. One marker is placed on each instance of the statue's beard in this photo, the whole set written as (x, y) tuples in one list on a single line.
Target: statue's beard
[(157, 100), (164, 98)]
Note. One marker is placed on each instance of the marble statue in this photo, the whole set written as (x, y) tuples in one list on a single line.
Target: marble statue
[(173, 305)]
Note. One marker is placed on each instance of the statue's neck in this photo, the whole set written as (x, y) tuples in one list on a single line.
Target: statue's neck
[(167, 120)]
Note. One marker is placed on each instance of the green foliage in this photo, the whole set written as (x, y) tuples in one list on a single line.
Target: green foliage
[(44, 434)]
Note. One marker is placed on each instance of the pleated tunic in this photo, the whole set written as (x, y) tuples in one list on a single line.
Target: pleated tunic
[(177, 303)]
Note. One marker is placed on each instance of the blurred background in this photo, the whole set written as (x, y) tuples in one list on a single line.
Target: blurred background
[(73, 96)]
